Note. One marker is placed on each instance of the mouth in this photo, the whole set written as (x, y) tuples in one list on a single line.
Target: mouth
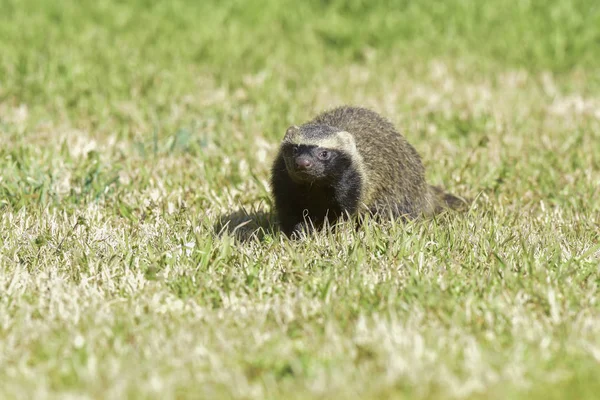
[(306, 175), (303, 176)]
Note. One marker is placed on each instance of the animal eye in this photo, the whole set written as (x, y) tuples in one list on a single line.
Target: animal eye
[(295, 150), (324, 155)]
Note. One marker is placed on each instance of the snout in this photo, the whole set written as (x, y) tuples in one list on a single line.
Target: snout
[(303, 163), (302, 168)]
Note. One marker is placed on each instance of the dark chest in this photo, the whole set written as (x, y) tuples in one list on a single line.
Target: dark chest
[(319, 201)]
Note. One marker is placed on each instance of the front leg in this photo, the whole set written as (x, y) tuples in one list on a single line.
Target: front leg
[(288, 197), (289, 207), (348, 192), (293, 219)]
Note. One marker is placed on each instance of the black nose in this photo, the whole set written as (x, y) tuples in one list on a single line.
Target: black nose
[(303, 162)]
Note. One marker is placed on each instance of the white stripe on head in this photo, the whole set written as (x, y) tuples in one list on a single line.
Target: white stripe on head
[(342, 140)]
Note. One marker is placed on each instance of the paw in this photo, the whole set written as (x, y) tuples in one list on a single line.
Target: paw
[(301, 230)]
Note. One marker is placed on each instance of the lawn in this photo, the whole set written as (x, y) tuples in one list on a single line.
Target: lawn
[(139, 256)]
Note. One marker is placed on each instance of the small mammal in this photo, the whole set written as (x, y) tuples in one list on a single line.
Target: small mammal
[(347, 161)]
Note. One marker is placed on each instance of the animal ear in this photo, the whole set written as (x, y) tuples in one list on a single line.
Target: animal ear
[(291, 132)]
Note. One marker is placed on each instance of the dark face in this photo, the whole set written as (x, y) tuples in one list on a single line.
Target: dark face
[(311, 164)]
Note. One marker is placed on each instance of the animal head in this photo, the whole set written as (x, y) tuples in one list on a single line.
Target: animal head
[(315, 153)]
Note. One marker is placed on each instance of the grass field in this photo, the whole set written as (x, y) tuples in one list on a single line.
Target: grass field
[(138, 253)]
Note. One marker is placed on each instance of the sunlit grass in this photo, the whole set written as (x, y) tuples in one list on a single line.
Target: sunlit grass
[(138, 254)]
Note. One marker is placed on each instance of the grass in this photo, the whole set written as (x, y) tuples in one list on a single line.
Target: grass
[(139, 257)]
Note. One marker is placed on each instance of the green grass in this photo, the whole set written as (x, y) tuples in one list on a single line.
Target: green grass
[(138, 256)]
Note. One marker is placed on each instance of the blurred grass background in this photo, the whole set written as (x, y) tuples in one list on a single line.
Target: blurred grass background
[(131, 131), (82, 56)]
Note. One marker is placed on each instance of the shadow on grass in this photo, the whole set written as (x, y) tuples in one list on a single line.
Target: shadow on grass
[(245, 226)]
